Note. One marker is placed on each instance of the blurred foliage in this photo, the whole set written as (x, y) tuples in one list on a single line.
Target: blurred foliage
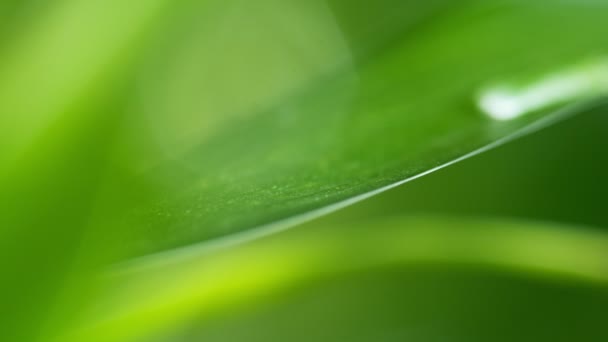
[(145, 143), (226, 291)]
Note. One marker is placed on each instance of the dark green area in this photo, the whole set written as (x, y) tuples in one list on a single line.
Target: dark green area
[(421, 303)]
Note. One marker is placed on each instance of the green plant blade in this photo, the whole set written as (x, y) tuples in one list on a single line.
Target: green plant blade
[(424, 304), (416, 105), (302, 108), (145, 297)]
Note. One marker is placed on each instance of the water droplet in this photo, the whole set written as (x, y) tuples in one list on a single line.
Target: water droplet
[(583, 81)]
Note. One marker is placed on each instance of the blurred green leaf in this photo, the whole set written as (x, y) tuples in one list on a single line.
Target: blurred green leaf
[(227, 292)]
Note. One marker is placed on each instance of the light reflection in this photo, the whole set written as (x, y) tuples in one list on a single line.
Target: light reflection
[(237, 61), (505, 102)]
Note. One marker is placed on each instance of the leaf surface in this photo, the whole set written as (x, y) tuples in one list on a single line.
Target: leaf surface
[(266, 150)]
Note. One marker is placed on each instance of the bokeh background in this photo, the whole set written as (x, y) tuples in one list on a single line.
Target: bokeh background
[(202, 170)]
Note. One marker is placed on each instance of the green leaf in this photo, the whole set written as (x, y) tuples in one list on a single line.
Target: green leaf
[(246, 291), (261, 137), (424, 303), (234, 116)]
